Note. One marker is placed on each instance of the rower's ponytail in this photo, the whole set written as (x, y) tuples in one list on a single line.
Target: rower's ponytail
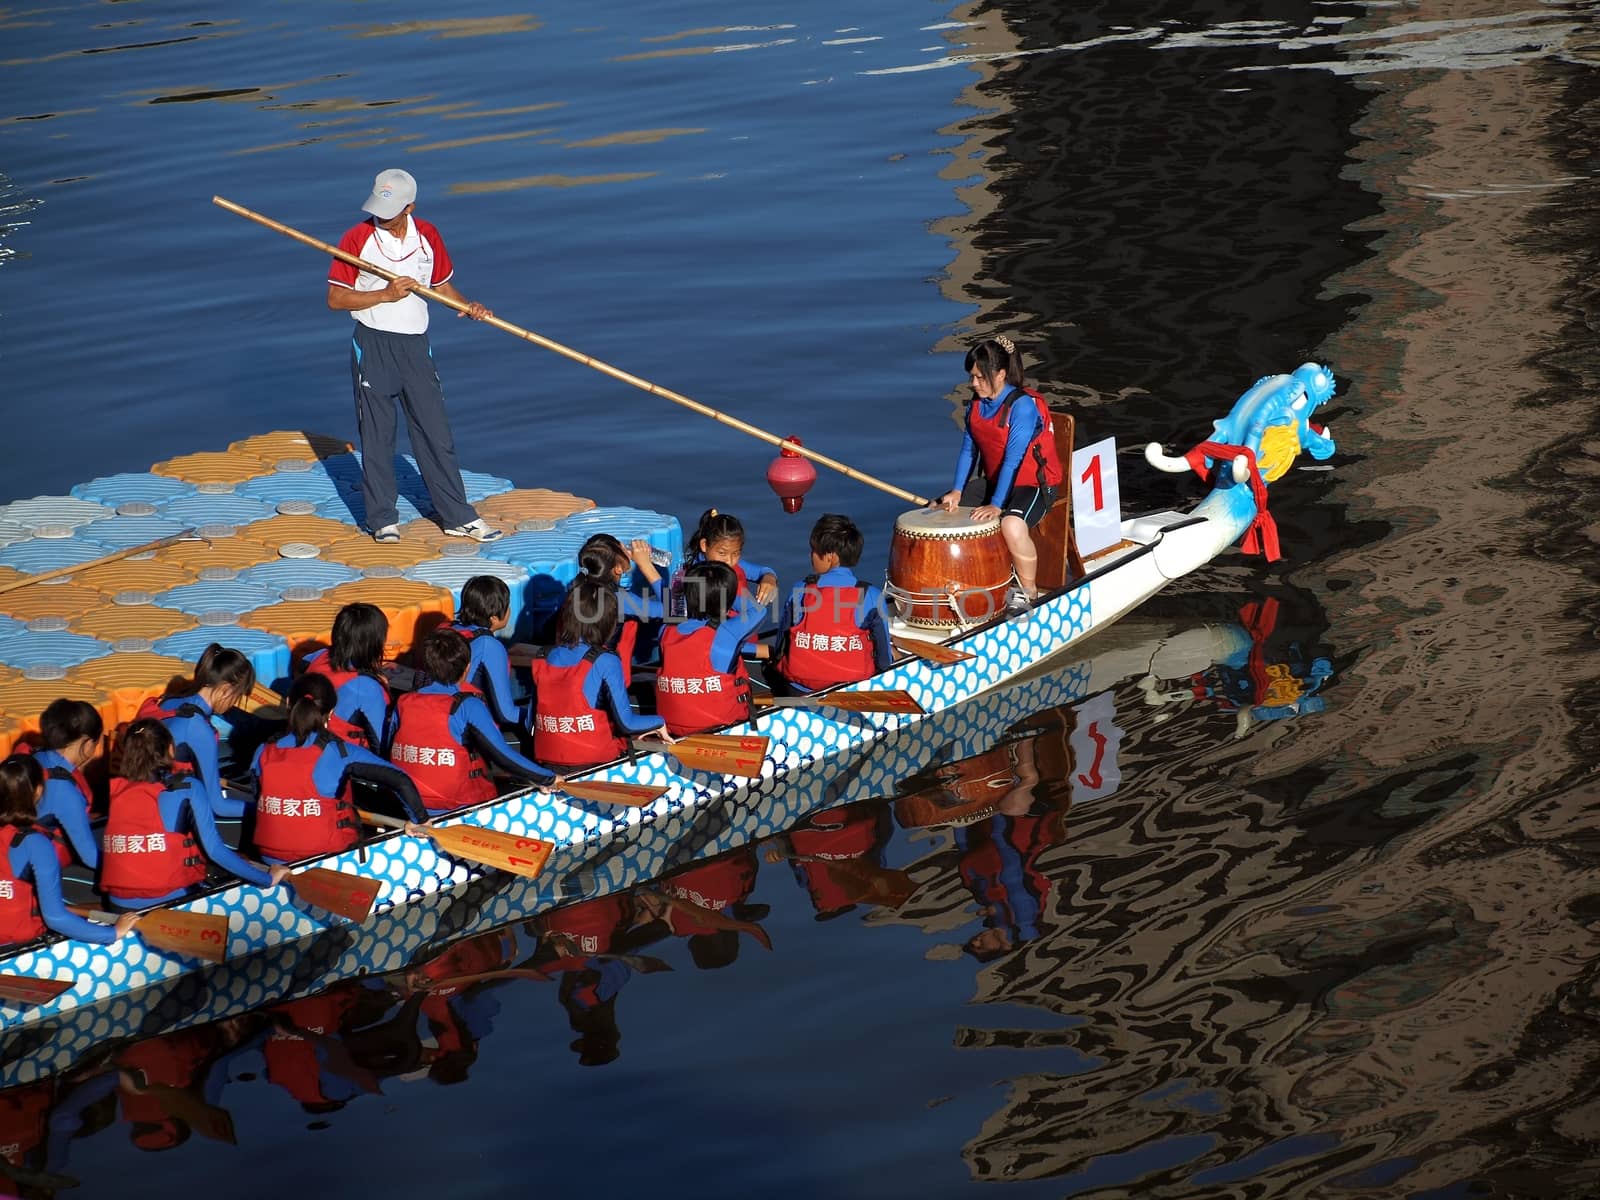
[(312, 699)]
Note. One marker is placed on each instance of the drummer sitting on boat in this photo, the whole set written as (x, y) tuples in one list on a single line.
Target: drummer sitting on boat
[(1014, 445)]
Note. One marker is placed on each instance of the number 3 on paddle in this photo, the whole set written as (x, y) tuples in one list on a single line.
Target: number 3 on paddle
[(1096, 499)]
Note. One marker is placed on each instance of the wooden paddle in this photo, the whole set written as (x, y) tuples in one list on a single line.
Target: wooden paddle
[(566, 352), (523, 856), (879, 700), (718, 753), (206, 1119), (645, 964), (21, 990), (634, 795), (932, 651), (59, 572), (199, 935), (348, 896)]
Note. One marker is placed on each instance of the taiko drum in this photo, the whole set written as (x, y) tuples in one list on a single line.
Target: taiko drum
[(946, 569)]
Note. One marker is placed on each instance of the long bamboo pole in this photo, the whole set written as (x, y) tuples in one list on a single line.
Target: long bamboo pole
[(527, 335), (76, 568)]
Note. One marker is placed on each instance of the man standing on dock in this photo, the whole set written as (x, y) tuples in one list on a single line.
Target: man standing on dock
[(391, 360)]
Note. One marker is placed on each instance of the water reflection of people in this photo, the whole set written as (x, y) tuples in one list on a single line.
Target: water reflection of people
[(708, 906), (1004, 808), (576, 947), (168, 1086), (837, 856), (305, 1051)]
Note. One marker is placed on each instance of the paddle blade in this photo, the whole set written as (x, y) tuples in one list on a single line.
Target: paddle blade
[(932, 651), (199, 935), (523, 856), (880, 700), (348, 896), (721, 754), (21, 990), (634, 795)]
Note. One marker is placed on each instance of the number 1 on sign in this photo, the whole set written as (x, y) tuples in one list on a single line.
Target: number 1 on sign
[(1096, 501)]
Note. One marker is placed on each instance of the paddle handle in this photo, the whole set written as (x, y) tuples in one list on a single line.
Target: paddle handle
[(58, 572), (372, 818), (527, 335)]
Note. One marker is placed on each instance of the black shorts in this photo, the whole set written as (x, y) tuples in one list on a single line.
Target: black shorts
[(1029, 503)]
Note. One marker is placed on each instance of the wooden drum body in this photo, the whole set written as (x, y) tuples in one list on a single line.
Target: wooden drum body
[(935, 554)]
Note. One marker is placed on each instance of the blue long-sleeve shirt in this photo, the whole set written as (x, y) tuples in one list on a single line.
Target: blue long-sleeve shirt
[(64, 803), (603, 686), (185, 805), (473, 716), (1023, 427), (730, 635), (362, 697), (35, 857), (490, 671), (196, 742), (868, 616), (340, 761), (643, 606)]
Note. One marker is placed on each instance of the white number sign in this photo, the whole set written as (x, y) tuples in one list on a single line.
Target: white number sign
[(1096, 503), (1096, 738)]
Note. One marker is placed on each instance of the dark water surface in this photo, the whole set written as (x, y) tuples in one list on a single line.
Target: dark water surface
[(1329, 929)]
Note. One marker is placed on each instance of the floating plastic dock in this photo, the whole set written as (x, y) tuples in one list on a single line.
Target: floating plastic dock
[(278, 547)]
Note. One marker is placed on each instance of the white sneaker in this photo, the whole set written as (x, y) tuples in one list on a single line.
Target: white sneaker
[(389, 533), (477, 529)]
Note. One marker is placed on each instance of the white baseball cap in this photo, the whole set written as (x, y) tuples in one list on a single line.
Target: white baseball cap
[(391, 191)]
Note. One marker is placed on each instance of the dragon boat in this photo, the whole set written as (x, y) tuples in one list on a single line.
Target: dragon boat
[(399, 938), (820, 754)]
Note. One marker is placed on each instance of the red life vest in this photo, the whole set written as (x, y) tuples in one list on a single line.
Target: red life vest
[(627, 639), (24, 1121), (1041, 464), (826, 646), (351, 731), (140, 857), (478, 955), (19, 904), (151, 708), (691, 695), (567, 730), (592, 926), (447, 774), (293, 819), (292, 1059), (716, 886)]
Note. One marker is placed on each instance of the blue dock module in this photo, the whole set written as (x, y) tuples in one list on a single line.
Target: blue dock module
[(133, 487), (213, 508), (37, 555), (304, 573), (44, 512), (121, 532), (268, 652), (45, 643), (237, 596), (453, 571), (551, 561)]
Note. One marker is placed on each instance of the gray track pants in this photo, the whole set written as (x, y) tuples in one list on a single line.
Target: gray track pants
[(386, 368)]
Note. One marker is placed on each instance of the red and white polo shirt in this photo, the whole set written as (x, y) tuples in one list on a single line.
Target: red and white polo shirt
[(419, 254)]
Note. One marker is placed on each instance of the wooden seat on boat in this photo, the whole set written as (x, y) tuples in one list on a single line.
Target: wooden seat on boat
[(1053, 538)]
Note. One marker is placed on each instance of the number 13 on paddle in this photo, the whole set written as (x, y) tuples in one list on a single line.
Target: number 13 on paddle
[(1096, 501)]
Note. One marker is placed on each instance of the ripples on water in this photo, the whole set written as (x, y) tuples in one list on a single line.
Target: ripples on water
[(1350, 953)]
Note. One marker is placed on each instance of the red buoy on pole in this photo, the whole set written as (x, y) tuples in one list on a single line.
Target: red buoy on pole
[(791, 475)]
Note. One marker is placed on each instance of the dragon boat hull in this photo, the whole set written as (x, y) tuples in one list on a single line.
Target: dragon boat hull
[(601, 849)]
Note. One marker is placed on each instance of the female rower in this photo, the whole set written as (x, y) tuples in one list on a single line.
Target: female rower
[(1014, 445), (702, 683), (303, 805), (720, 538), (485, 610), (162, 828), (582, 715), (603, 557), (73, 735), (222, 679), (442, 733), (352, 664), (30, 872)]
